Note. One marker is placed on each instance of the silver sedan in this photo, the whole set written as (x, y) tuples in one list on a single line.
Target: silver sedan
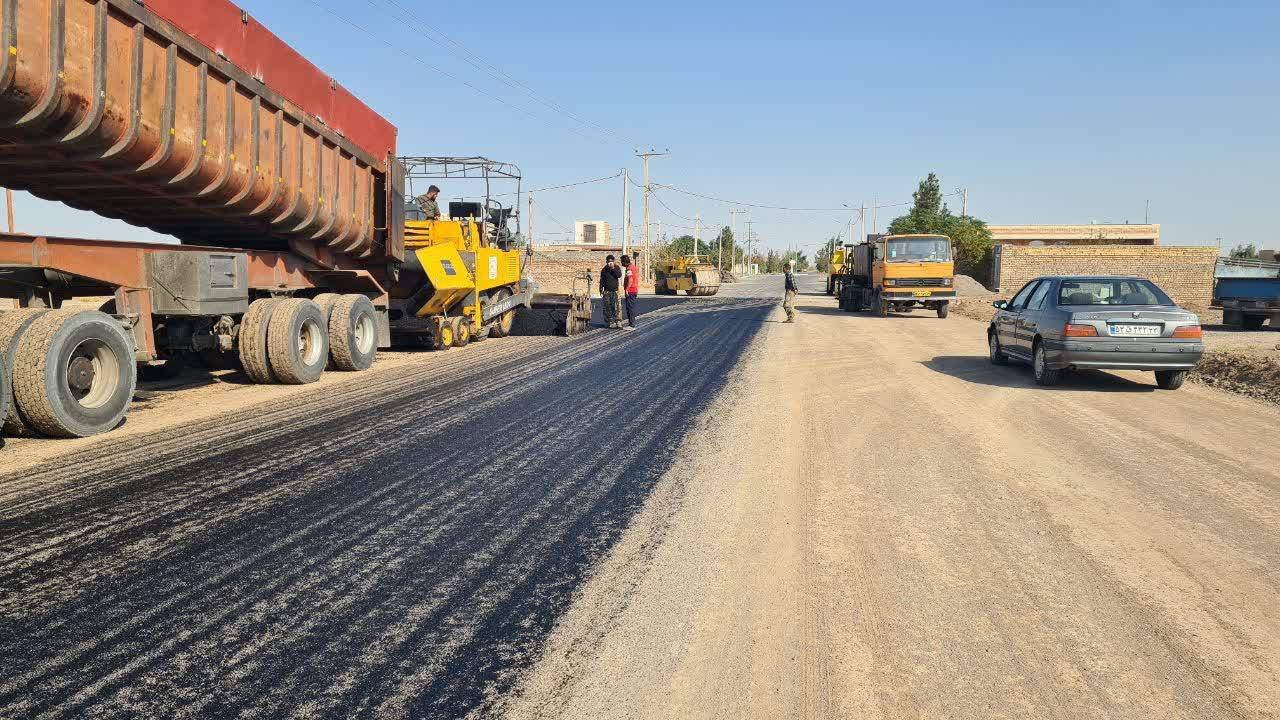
[(1061, 323)]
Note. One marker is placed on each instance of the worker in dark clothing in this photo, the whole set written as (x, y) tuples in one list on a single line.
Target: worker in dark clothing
[(789, 294), (430, 208), (632, 287), (610, 274)]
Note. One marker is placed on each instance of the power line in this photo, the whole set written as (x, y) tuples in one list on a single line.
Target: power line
[(776, 207), (478, 62), (392, 46)]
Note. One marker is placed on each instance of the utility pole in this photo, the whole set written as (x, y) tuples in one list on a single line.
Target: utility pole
[(862, 224), (964, 203), (697, 233), (750, 241), (648, 188), (626, 212), (529, 241), (1146, 216), (733, 230), (875, 221)]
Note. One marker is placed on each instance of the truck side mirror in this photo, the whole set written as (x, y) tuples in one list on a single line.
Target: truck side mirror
[(1000, 304)]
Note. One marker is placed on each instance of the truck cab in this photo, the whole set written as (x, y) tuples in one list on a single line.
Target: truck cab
[(900, 272)]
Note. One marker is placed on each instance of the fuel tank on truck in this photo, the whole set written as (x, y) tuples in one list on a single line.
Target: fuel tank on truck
[(190, 118)]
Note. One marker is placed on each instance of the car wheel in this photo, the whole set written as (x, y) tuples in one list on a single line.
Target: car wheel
[(997, 355), (1170, 379), (1045, 375), (944, 309)]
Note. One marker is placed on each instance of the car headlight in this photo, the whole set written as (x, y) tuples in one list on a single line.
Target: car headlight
[(946, 282), (890, 283)]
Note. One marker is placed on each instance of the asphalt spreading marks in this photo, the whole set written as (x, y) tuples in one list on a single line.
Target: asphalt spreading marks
[(396, 547)]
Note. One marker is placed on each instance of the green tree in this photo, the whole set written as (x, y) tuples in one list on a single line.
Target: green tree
[(729, 250), (971, 238), (684, 245), (1248, 251), (822, 258)]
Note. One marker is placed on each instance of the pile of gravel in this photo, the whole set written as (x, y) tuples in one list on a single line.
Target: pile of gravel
[(1253, 374), (966, 285)]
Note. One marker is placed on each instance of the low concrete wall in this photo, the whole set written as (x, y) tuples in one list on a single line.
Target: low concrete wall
[(1186, 273)]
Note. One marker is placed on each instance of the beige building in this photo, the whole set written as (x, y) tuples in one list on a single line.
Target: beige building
[(591, 232), (1039, 235)]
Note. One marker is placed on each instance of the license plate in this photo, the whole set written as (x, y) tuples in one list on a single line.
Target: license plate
[(1135, 330), (922, 293)]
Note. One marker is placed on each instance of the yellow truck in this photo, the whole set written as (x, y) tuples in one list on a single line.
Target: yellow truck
[(896, 273), (692, 274)]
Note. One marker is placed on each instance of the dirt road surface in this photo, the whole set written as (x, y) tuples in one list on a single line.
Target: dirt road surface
[(848, 516)]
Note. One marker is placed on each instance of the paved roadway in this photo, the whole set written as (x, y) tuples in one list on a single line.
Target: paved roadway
[(715, 516), (400, 545)]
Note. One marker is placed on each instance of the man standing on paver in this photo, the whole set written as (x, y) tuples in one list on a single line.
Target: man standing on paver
[(609, 276), (632, 287), (430, 207), (789, 294)]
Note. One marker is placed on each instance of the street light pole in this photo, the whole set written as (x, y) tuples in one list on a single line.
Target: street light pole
[(647, 190)]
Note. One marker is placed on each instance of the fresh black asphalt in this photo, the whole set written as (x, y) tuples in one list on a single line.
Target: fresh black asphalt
[(397, 547)]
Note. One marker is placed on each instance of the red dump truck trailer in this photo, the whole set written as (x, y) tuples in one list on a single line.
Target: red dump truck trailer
[(189, 118)]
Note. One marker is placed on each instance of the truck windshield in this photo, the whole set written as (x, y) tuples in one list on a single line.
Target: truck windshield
[(920, 250), (1111, 292)]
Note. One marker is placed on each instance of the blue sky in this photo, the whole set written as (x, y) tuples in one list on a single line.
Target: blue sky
[(1064, 114)]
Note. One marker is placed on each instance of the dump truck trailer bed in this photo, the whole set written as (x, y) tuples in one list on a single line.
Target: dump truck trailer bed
[(191, 119)]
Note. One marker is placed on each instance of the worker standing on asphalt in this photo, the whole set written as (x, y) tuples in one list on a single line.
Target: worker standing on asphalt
[(789, 294), (632, 286), (430, 208), (609, 276)]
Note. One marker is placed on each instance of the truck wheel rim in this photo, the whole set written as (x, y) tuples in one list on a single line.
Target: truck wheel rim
[(309, 342), (365, 334), (92, 374), (1039, 362)]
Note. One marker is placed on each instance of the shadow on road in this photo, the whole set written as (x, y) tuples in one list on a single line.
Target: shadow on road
[(919, 315), (978, 369)]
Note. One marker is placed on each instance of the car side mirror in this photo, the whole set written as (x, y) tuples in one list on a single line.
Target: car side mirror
[(1000, 304)]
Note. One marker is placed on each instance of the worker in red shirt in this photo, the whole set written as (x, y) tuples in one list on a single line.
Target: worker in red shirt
[(632, 288)]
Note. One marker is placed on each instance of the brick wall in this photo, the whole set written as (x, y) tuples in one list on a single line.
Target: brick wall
[(1185, 273), (554, 270)]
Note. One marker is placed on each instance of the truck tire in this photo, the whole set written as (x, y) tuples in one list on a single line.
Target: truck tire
[(253, 341), (442, 335), (6, 392), (944, 309), (12, 326), (297, 341), (880, 306), (1170, 379), (76, 373), (461, 331), (1253, 322), (502, 326), (353, 333)]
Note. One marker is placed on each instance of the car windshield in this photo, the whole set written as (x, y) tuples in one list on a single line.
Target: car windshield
[(927, 249), (1111, 292)]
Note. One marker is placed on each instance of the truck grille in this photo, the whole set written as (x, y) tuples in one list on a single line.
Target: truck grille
[(917, 282)]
